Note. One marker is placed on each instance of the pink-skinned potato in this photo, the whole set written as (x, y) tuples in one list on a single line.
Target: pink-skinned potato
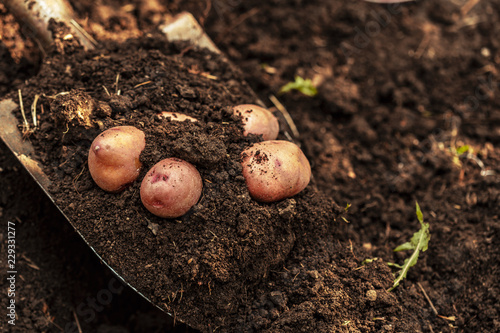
[(275, 170), (114, 157), (257, 120), (176, 116), (171, 187)]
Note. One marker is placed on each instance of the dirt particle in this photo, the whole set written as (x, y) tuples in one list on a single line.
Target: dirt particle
[(371, 295)]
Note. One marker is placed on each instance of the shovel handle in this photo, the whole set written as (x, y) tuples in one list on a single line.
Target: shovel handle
[(34, 16)]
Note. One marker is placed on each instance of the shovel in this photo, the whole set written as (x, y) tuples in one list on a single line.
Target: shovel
[(36, 19)]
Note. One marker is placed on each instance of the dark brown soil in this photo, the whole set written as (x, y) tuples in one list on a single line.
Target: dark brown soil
[(380, 135), (59, 274)]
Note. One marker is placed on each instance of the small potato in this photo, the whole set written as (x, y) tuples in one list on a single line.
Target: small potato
[(175, 116), (257, 120), (114, 157), (171, 187), (275, 170)]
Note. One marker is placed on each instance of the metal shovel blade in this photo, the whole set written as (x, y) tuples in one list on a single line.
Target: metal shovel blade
[(181, 27)]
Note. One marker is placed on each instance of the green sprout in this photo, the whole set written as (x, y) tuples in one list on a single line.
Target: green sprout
[(369, 260), (304, 86), (462, 149), (457, 152), (346, 209), (419, 242)]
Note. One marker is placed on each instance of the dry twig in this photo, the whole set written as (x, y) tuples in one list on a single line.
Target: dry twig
[(77, 322), (21, 106), (466, 8), (428, 299), (286, 115)]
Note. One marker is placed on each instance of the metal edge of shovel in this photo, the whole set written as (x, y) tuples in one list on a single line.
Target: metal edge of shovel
[(183, 26)]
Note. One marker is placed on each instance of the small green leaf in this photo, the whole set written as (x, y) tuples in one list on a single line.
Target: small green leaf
[(420, 216), (391, 264), (404, 247), (419, 242), (304, 86), (463, 149), (367, 261)]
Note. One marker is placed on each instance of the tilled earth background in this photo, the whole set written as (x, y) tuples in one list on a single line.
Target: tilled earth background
[(401, 91)]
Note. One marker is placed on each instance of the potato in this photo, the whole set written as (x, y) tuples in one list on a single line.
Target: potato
[(257, 120), (175, 116), (171, 187), (275, 170), (114, 157)]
